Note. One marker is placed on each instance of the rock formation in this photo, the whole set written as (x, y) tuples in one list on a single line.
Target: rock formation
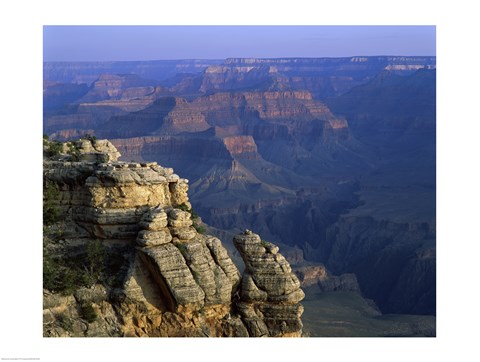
[(88, 72), (270, 291), (324, 76), (318, 278), (163, 276)]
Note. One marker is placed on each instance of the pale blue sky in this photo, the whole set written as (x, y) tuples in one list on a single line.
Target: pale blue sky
[(103, 43)]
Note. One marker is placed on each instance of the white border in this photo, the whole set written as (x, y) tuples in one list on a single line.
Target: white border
[(20, 262)]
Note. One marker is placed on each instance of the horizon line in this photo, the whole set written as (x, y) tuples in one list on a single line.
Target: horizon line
[(223, 59)]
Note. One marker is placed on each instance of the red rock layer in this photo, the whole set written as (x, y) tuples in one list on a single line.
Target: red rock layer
[(241, 146)]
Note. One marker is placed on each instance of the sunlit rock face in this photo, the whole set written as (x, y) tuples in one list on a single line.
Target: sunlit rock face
[(163, 275)]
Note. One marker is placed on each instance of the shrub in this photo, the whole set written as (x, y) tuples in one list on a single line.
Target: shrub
[(194, 214), (58, 277), (51, 197), (65, 274), (64, 322), (87, 312), (73, 151), (183, 207), (49, 272), (89, 137), (94, 263), (54, 148), (200, 229), (181, 246)]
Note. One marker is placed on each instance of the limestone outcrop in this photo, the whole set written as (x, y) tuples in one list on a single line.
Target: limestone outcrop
[(162, 276), (270, 291), (92, 150), (183, 264)]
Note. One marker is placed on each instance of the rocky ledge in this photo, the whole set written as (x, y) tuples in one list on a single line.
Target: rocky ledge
[(160, 274)]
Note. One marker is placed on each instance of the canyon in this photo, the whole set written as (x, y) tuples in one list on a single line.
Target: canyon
[(331, 159)]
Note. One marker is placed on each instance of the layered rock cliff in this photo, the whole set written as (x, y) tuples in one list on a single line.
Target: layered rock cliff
[(72, 110), (139, 261), (88, 72), (114, 110), (270, 292), (323, 77)]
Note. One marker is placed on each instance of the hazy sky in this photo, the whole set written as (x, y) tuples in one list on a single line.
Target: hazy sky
[(88, 43)]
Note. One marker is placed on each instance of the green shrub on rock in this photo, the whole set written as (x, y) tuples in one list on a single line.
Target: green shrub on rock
[(95, 261), (51, 196), (89, 137), (58, 277), (64, 322), (200, 228), (53, 148), (73, 151), (87, 312)]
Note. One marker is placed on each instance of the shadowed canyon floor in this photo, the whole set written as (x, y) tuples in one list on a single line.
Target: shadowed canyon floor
[(346, 314)]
